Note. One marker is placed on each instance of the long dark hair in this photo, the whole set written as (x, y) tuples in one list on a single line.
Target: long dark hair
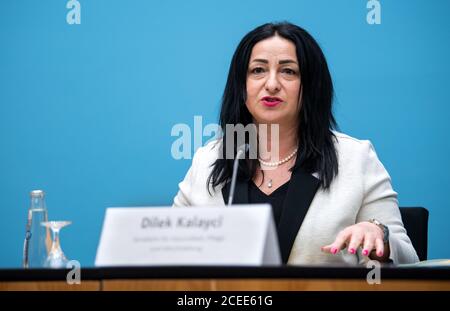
[(316, 121)]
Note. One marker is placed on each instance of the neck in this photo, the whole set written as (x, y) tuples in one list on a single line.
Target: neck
[(277, 144)]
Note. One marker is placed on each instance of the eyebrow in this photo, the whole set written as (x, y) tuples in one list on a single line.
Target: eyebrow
[(281, 62)]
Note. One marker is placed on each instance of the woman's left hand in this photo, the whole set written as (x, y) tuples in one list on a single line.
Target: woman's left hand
[(364, 234)]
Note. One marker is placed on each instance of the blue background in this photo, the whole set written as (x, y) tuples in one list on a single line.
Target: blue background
[(86, 111)]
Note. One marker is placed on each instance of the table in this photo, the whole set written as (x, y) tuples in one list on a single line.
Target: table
[(212, 278)]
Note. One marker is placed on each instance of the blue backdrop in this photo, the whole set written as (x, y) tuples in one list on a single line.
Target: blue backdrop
[(86, 111)]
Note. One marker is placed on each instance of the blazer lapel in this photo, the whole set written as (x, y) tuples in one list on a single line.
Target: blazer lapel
[(240, 192), (302, 189)]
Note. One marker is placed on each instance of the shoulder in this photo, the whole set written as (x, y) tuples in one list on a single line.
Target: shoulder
[(351, 149), (206, 156), (347, 142)]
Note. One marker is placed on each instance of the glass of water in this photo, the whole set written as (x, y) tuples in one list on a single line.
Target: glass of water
[(56, 258)]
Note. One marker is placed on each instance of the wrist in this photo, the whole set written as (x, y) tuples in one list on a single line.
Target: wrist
[(383, 228)]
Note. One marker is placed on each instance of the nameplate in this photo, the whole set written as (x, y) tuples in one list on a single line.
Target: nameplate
[(145, 236)]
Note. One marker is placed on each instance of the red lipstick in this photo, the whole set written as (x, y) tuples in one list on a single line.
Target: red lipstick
[(271, 101)]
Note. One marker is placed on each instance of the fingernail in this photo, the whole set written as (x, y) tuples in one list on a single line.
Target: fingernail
[(365, 252), (333, 250), (351, 250), (380, 254)]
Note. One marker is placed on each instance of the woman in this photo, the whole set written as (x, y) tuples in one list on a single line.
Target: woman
[(331, 197)]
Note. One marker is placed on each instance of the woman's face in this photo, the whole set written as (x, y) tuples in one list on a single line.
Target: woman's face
[(273, 83)]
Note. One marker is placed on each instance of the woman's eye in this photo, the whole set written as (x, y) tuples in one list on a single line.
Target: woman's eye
[(257, 70), (289, 71)]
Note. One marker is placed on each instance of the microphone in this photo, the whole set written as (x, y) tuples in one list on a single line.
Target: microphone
[(239, 153)]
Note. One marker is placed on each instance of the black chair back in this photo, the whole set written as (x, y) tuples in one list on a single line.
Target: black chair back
[(415, 220)]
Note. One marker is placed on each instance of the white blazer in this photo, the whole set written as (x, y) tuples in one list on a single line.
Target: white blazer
[(312, 217)]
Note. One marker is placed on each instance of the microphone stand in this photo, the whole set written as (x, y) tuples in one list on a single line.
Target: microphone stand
[(240, 152)]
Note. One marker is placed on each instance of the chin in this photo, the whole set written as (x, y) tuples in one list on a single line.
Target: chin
[(269, 119)]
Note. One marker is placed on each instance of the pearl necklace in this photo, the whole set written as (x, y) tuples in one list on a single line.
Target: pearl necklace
[(273, 164), (278, 162)]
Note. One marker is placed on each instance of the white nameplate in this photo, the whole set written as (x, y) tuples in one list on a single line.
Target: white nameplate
[(238, 235)]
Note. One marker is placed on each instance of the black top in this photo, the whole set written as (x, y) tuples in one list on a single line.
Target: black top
[(300, 193), (275, 199)]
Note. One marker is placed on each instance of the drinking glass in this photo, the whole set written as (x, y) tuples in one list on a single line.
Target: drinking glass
[(56, 258)]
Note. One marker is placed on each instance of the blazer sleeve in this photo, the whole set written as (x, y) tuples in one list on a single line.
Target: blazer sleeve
[(187, 186), (184, 191), (380, 202)]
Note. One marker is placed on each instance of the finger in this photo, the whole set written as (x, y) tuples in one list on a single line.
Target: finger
[(355, 242), (340, 241), (369, 242), (326, 249), (379, 245)]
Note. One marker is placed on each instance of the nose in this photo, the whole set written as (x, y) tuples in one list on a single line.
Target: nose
[(272, 84)]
